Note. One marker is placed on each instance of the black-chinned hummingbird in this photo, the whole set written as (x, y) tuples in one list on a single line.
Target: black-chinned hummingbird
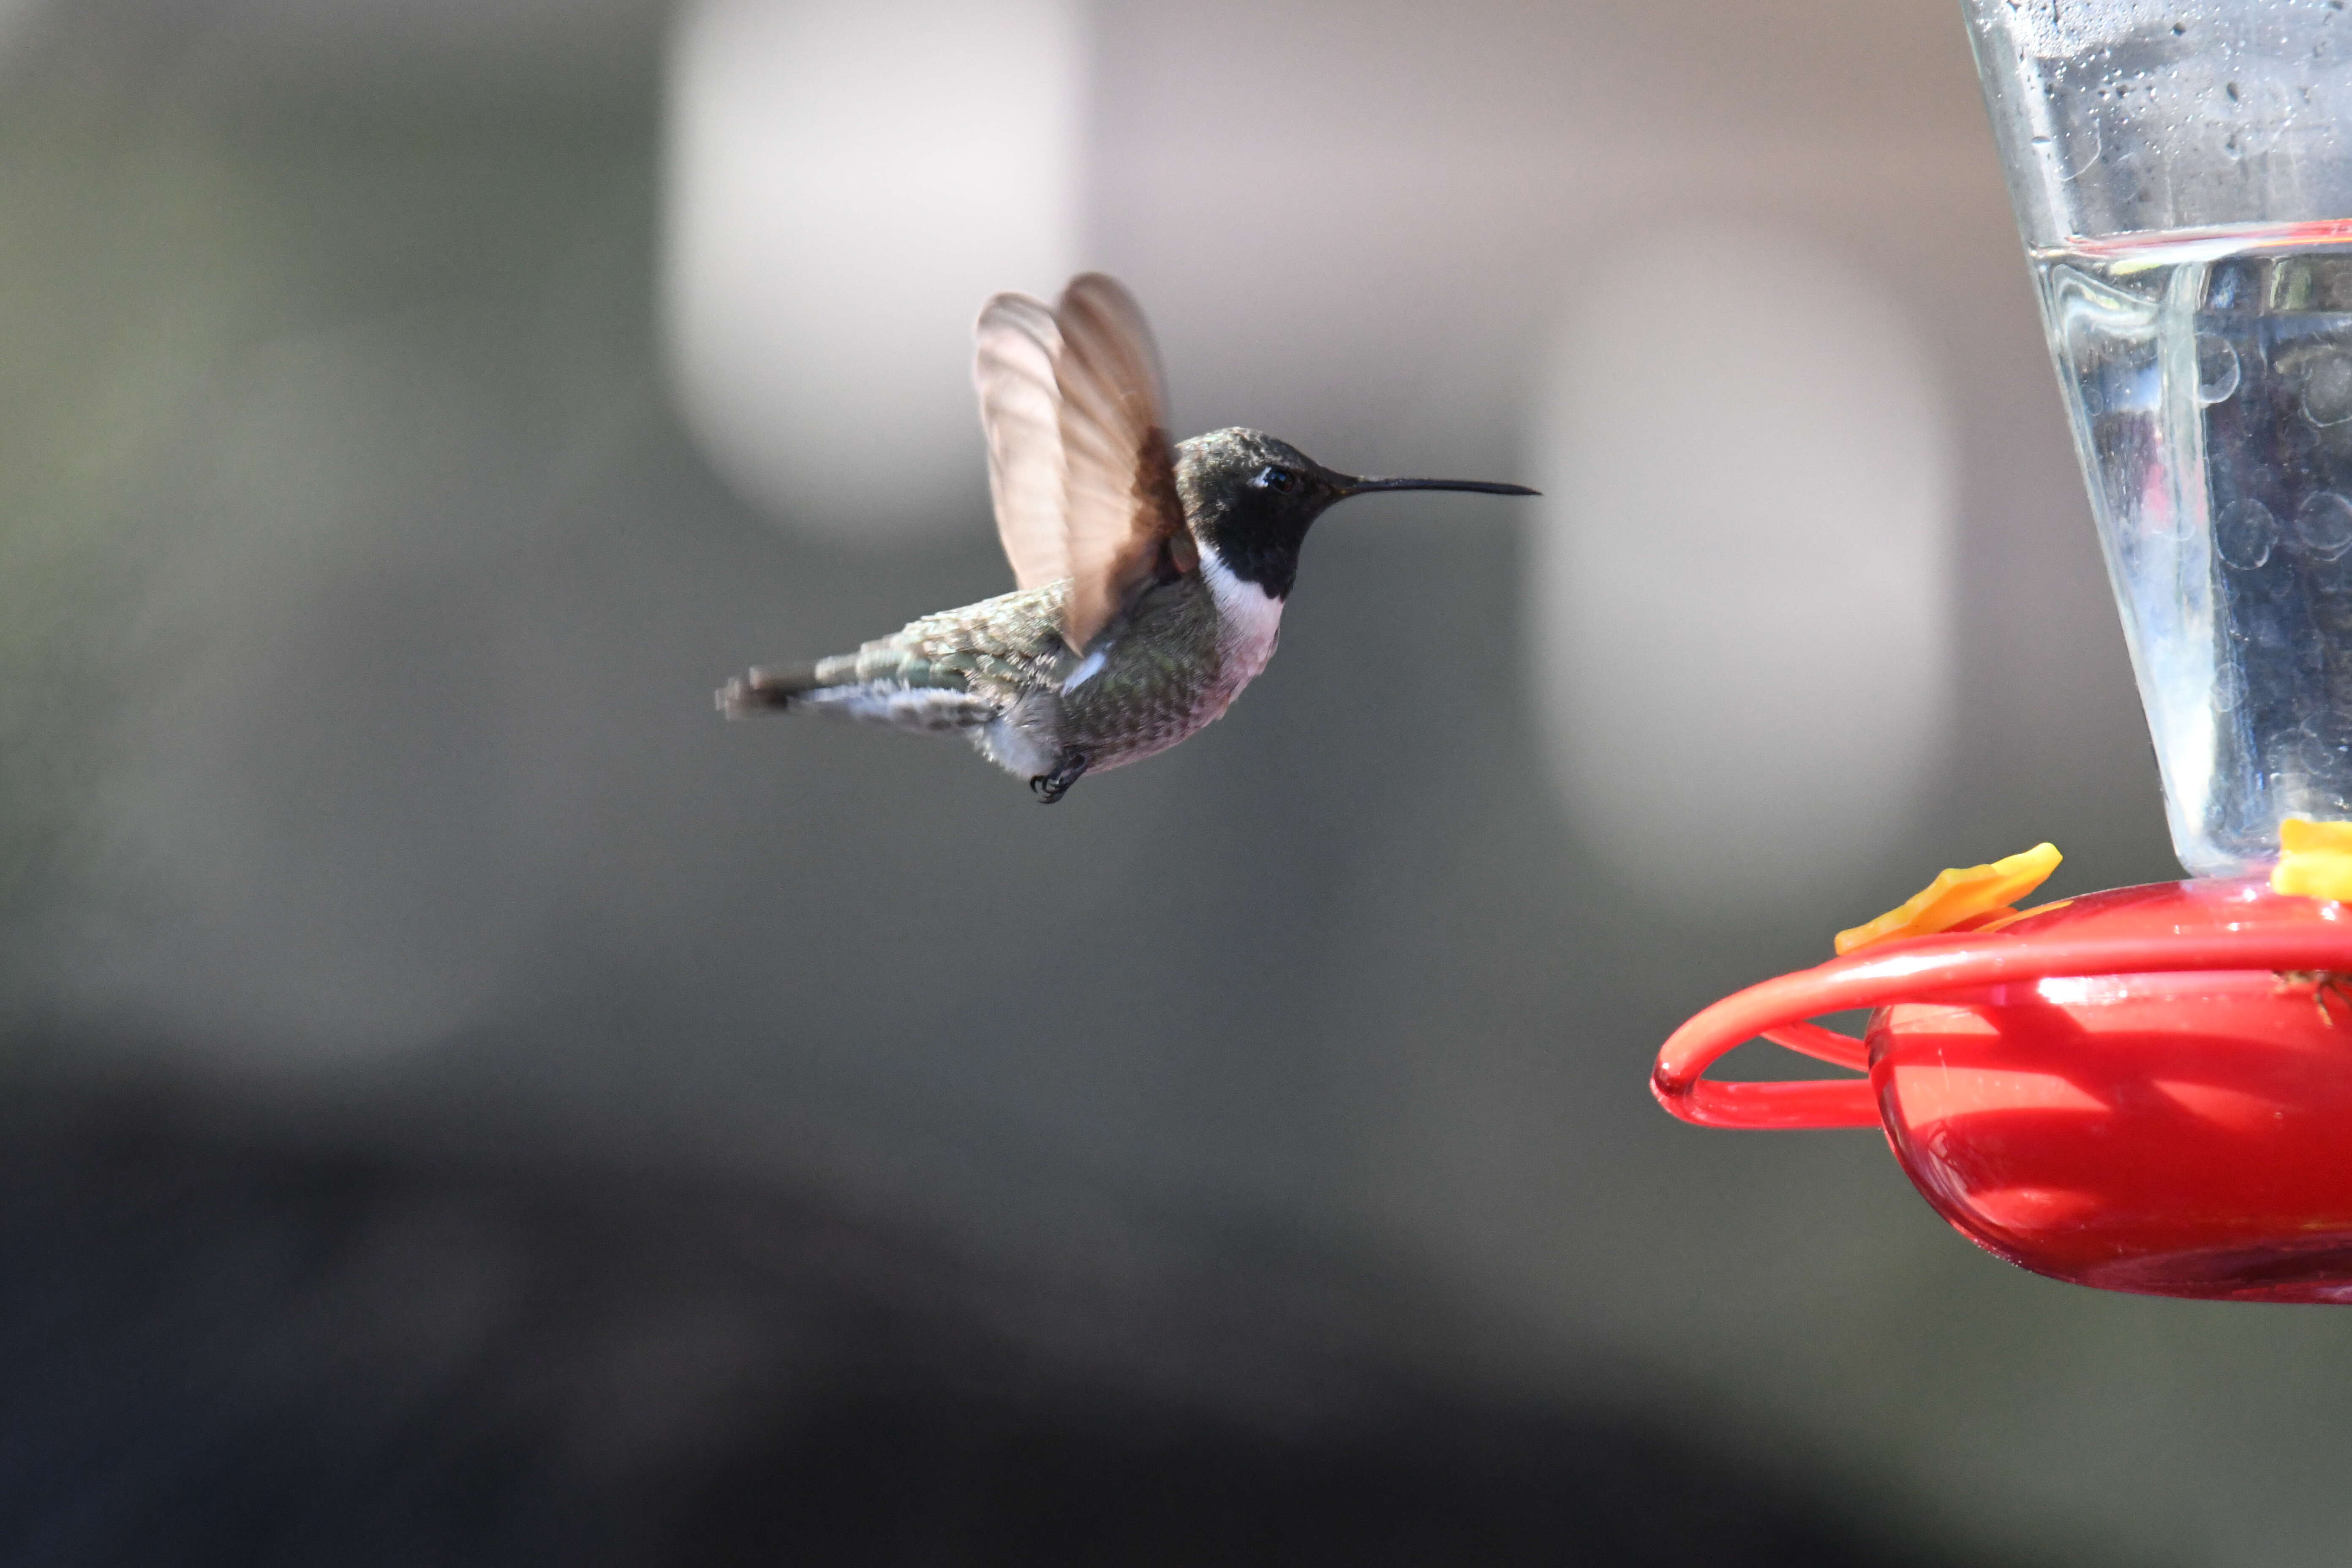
[(1151, 579)]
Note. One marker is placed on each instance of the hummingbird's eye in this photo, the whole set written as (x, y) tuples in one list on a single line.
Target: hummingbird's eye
[(1279, 479)]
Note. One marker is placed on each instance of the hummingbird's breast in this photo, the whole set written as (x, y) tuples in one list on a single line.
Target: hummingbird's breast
[(1171, 664)]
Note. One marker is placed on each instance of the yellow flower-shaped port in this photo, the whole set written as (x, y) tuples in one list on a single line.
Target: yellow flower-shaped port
[(1964, 898), (2314, 859)]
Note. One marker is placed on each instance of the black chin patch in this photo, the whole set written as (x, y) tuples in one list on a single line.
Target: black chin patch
[(1267, 557)]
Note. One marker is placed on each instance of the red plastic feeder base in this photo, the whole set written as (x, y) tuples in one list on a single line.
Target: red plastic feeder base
[(2146, 1089)]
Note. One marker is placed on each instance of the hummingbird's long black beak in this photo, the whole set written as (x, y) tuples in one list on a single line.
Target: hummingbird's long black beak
[(1484, 487)]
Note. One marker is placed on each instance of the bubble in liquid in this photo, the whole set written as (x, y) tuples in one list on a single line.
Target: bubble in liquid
[(2323, 526), (2322, 750), (2250, 117), (2302, 762), (2327, 390), (2244, 533), (2217, 369)]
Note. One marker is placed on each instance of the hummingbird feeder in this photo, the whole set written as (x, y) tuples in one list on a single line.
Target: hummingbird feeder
[(2149, 1089)]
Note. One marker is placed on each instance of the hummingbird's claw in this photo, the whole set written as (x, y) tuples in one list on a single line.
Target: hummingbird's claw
[(1050, 787)]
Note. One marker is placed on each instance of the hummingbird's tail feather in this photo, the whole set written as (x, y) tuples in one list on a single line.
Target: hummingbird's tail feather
[(958, 670), (769, 689), (843, 685)]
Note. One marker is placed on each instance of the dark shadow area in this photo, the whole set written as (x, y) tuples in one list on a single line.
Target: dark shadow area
[(237, 1336)]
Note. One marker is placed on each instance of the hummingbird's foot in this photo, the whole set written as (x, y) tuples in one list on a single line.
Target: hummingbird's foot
[(1050, 787)]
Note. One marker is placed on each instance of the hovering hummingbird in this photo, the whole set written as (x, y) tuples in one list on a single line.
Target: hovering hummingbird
[(1151, 579)]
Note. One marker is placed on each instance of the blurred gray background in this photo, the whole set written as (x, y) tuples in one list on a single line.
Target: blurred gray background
[(413, 410)]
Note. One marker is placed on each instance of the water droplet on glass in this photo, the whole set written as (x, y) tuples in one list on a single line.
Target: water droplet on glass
[(2327, 390), (2323, 526), (2244, 533), (2073, 151), (2217, 369)]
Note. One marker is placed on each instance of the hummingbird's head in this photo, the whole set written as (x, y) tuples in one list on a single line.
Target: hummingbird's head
[(1251, 500)]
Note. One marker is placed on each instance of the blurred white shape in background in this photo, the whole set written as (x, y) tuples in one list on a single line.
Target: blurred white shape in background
[(847, 182), (1739, 581)]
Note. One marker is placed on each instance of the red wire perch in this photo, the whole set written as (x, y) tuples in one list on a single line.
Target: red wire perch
[(2167, 928), (1822, 1045)]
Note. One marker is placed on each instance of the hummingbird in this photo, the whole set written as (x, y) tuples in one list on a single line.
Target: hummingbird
[(1150, 578)]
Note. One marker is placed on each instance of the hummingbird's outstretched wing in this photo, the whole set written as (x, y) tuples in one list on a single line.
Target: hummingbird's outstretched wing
[(1078, 459), (1017, 341)]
